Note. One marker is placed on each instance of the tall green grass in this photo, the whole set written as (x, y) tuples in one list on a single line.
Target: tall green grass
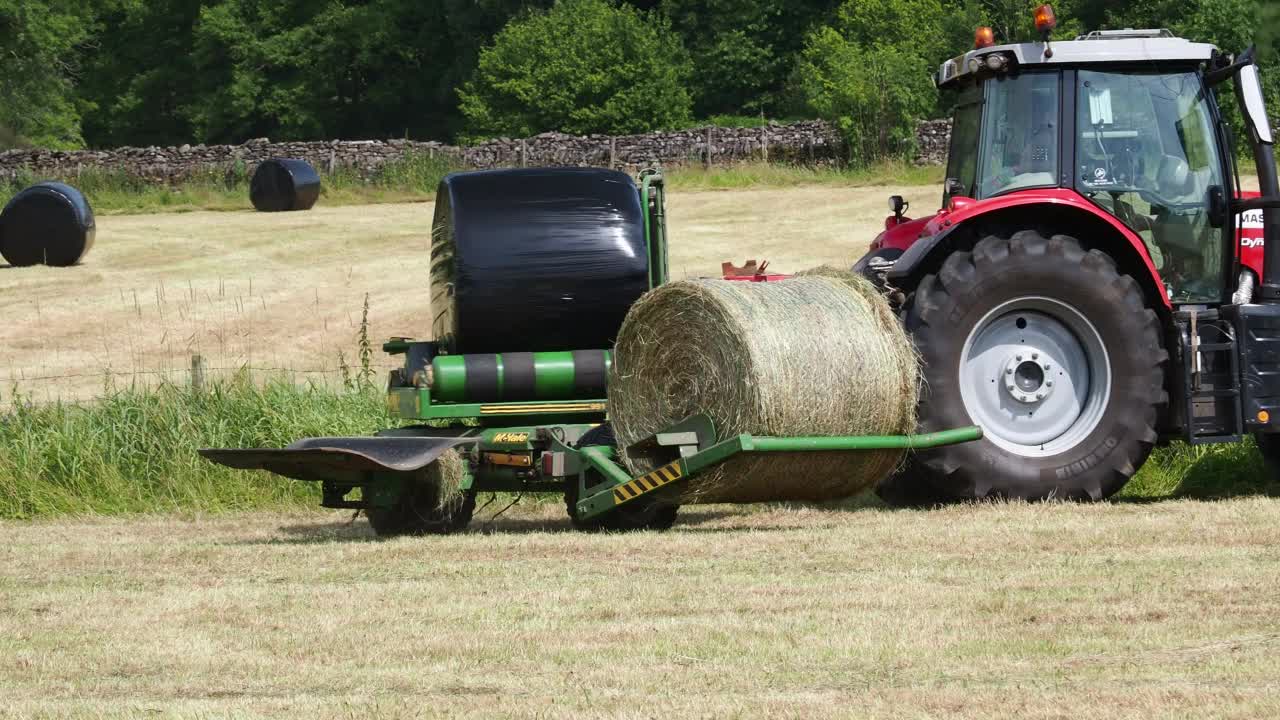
[(134, 450)]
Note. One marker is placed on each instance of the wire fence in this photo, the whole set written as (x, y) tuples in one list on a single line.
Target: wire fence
[(73, 387)]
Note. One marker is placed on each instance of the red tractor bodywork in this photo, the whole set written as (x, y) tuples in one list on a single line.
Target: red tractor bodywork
[(1249, 236), (901, 234)]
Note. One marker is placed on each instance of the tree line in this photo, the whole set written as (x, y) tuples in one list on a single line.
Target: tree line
[(103, 73)]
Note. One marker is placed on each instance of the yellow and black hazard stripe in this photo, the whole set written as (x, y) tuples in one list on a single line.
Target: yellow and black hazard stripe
[(542, 408), (664, 475)]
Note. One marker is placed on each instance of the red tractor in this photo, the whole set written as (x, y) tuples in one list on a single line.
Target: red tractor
[(1096, 282)]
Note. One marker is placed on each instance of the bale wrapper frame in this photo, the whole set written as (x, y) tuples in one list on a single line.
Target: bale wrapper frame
[(530, 421)]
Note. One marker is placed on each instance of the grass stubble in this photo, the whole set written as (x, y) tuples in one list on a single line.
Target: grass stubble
[(999, 610)]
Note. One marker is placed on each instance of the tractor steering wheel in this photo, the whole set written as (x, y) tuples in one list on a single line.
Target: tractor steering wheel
[(1155, 199)]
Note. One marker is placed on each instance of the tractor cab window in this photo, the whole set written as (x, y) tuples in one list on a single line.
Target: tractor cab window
[(962, 160), (1020, 134), (1005, 137), (1147, 154)]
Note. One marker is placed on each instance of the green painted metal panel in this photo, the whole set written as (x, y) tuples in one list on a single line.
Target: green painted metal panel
[(604, 500), (553, 375), (553, 372), (449, 378), (868, 442)]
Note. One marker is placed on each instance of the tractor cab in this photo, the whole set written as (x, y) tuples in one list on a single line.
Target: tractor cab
[(1124, 119)]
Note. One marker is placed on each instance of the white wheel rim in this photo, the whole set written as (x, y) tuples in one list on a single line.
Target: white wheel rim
[(1035, 375)]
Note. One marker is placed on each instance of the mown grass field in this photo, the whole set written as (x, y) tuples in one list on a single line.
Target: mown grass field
[(1122, 610)]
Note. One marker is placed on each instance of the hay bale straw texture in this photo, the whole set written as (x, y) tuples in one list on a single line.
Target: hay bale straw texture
[(818, 354), (446, 473)]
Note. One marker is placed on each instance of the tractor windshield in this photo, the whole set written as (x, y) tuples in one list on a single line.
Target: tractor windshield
[(1147, 154)]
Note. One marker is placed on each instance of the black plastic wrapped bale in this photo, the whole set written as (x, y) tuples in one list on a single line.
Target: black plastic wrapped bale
[(48, 223), (535, 260), (282, 184)]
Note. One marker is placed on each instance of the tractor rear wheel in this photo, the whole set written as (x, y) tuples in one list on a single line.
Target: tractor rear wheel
[(1053, 353), (641, 514), (419, 511)]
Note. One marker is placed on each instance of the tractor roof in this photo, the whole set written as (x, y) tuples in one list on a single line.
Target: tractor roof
[(1106, 46)]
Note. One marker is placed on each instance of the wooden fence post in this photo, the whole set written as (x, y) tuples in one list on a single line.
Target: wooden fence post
[(197, 372), (613, 152), (764, 142), (524, 153), (706, 162)]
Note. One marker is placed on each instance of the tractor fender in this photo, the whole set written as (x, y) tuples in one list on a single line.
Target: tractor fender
[(1055, 210)]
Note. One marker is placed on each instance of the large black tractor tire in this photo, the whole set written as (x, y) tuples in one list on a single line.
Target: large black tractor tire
[(1022, 296), (418, 511), (642, 514)]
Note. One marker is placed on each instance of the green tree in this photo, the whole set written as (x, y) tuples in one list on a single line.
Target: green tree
[(137, 81), (39, 50), (744, 50), (584, 66), (874, 93)]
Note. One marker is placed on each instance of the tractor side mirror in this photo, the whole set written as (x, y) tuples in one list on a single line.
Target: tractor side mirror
[(953, 188), (1219, 209), (1249, 92)]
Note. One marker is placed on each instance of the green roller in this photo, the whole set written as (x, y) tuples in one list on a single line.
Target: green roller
[(520, 377)]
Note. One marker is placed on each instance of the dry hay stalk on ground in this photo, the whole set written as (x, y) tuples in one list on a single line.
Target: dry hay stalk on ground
[(819, 354)]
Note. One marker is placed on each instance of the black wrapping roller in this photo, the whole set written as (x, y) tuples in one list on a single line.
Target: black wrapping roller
[(48, 223), (535, 260), (282, 184)]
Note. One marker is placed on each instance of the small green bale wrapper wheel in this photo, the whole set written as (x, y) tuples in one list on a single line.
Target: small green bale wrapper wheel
[(644, 514), (429, 502)]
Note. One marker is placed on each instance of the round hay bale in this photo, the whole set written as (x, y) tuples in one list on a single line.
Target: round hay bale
[(284, 184), (817, 355), (48, 223)]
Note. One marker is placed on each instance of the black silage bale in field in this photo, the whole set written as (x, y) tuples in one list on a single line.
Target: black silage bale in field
[(50, 223), (283, 184), (536, 259)]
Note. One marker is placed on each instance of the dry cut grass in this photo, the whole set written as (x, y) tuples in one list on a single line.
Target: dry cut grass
[(286, 290), (1047, 611)]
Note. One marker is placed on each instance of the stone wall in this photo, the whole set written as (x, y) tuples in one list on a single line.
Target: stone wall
[(806, 142), (933, 137)]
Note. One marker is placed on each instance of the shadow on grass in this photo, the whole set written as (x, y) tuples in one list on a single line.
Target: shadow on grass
[(1178, 472), (358, 530), (1207, 472)]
